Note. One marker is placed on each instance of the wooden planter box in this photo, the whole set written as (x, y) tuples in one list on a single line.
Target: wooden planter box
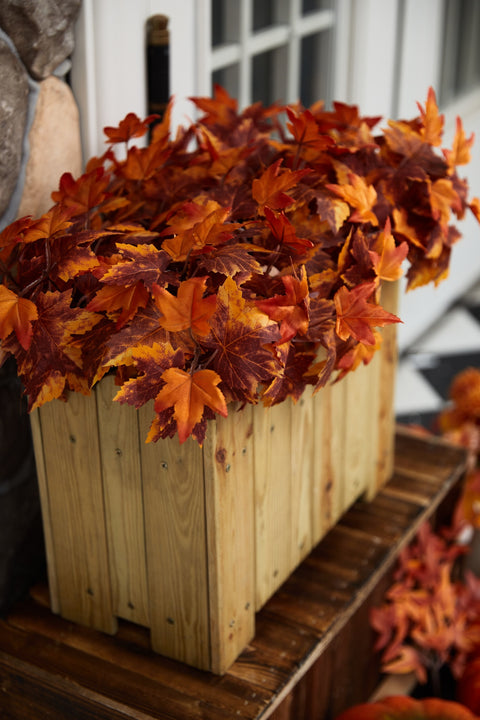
[(192, 541)]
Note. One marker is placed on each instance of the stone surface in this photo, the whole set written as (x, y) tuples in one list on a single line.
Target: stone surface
[(41, 30), (55, 147), (13, 118)]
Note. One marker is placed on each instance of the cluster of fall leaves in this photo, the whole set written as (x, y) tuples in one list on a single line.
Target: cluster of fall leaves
[(239, 260), (431, 613), (430, 617)]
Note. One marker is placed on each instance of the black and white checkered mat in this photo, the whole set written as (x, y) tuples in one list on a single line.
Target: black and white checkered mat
[(428, 367)]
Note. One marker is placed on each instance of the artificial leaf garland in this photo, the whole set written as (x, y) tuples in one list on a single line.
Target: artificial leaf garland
[(213, 266)]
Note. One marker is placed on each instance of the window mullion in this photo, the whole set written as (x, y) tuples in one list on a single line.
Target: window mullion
[(294, 49), (245, 64)]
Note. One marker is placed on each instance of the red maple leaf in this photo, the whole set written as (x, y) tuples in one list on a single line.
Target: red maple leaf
[(240, 335), (291, 309), (356, 316), (284, 232)]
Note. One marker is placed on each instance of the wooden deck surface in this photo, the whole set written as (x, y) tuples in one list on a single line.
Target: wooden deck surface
[(311, 655)]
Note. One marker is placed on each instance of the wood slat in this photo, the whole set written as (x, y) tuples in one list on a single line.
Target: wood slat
[(229, 498), (45, 508), (386, 409), (122, 484), (76, 511), (174, 507), (275, 551)]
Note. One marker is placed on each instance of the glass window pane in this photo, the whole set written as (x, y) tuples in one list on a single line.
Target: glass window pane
[(267, 13), (269, 76), (225, 21), (227, 77), (315, 68), (461, 51), (309, 6)]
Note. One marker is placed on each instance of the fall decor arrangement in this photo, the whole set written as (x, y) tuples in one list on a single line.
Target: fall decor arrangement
[(242, 264), (240, 260), (430, 617)]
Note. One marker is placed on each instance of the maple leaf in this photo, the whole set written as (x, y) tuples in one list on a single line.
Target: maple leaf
[(358, 354), (232, 260), (146, 330), (240, 335), (359, 195), (408, 660), (221, 109), (460, 153), (56, 220), (70, 259), (83, 194), (291, 309), (270, 188), (291, 380), (16, 315), (45, 367), (432, 121), (310, 141), (130, 127), (188, 308), (442, 197), (210, 229), (144, 163), (333, 210), (150, 363), (284, 232), (387, 257), (140, 263), (188, 394), (356, 316), (12, 235), (112, 298)]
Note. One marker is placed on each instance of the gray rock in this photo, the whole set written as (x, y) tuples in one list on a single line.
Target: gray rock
[(42, 31), (13, 118)]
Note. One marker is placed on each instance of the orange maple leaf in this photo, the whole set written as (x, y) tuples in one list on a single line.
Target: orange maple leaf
[(359, 195), (112, 298), (442, 197), (188, 308), (311, 142), (83, 194), (221, 109), (356, 316), (387, 258), (460, 153), (16, 315), (188, 394), (433, 122), (360, 353), (270, 188), (130, 127), (56, 220), (209, 228)]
